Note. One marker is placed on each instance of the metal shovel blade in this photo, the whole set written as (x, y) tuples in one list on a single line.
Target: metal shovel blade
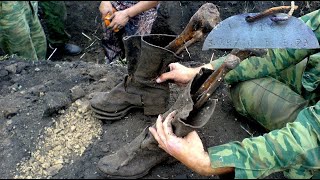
[(236, 32)]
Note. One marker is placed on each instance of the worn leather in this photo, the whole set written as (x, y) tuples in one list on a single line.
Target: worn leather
[(135, 159), (147, 59)]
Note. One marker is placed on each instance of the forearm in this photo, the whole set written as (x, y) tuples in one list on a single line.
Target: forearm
[(140, 7), (203, 167)]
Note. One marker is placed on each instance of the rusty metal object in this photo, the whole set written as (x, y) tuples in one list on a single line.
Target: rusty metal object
[(215, 79), (208, 87), (201, 23)]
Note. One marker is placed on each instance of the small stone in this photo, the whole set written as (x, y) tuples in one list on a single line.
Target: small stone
[(53, 170), (77, 92), (3, 73), (11, 69)]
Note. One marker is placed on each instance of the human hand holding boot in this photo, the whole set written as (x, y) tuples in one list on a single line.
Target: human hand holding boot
[(181, 74), (135, 159), (188, 150)]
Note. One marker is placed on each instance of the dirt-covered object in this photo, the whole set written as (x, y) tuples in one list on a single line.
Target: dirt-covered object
[(135, 159), (139, 89)]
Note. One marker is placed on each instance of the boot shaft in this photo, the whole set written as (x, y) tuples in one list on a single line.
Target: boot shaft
[(147, 56), (132, 47), (187, 117)]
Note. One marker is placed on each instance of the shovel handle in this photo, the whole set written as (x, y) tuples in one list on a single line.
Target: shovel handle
[(269, 12)]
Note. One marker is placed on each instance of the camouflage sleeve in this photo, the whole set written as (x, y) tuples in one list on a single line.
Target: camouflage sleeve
[(294, 149), (275, 60)]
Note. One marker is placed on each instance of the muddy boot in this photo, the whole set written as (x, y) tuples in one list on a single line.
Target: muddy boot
[(135, 159), (147, 59)]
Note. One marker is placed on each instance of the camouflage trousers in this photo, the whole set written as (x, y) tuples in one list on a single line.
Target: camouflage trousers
[(272, 101), (54, 14), (294, 149), (20, 30)]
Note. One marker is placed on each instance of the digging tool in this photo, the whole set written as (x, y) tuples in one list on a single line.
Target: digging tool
[(268, 29), (245, 32)]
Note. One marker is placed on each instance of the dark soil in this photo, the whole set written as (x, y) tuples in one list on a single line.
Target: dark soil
[(34, 95)]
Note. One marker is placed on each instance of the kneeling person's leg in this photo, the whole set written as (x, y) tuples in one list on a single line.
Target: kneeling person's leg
[(268, 101)]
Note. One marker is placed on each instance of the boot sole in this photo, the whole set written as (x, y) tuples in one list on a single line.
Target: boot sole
[(169, 160), (112, 116), (127, 177), (107, 118)]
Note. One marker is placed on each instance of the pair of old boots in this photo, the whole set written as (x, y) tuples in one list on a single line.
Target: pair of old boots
[(147, 60)]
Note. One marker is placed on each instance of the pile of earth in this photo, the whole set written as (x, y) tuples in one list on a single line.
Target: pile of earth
[(46, 127)]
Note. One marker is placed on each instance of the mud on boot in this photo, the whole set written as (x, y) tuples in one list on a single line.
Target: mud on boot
[(147, 59), (135, 159)]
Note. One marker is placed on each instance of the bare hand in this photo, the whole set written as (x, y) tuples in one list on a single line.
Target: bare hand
[(188, 150), (119, 19), (180, 74), (105, 8)]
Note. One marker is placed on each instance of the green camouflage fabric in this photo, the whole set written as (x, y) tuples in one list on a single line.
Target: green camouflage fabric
[(267, 101), (54, 16), (294, 149), (20, 30), (281, 92), (273, 89)]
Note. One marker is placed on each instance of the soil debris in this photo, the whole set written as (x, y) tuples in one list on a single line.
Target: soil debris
[(70, 135)]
